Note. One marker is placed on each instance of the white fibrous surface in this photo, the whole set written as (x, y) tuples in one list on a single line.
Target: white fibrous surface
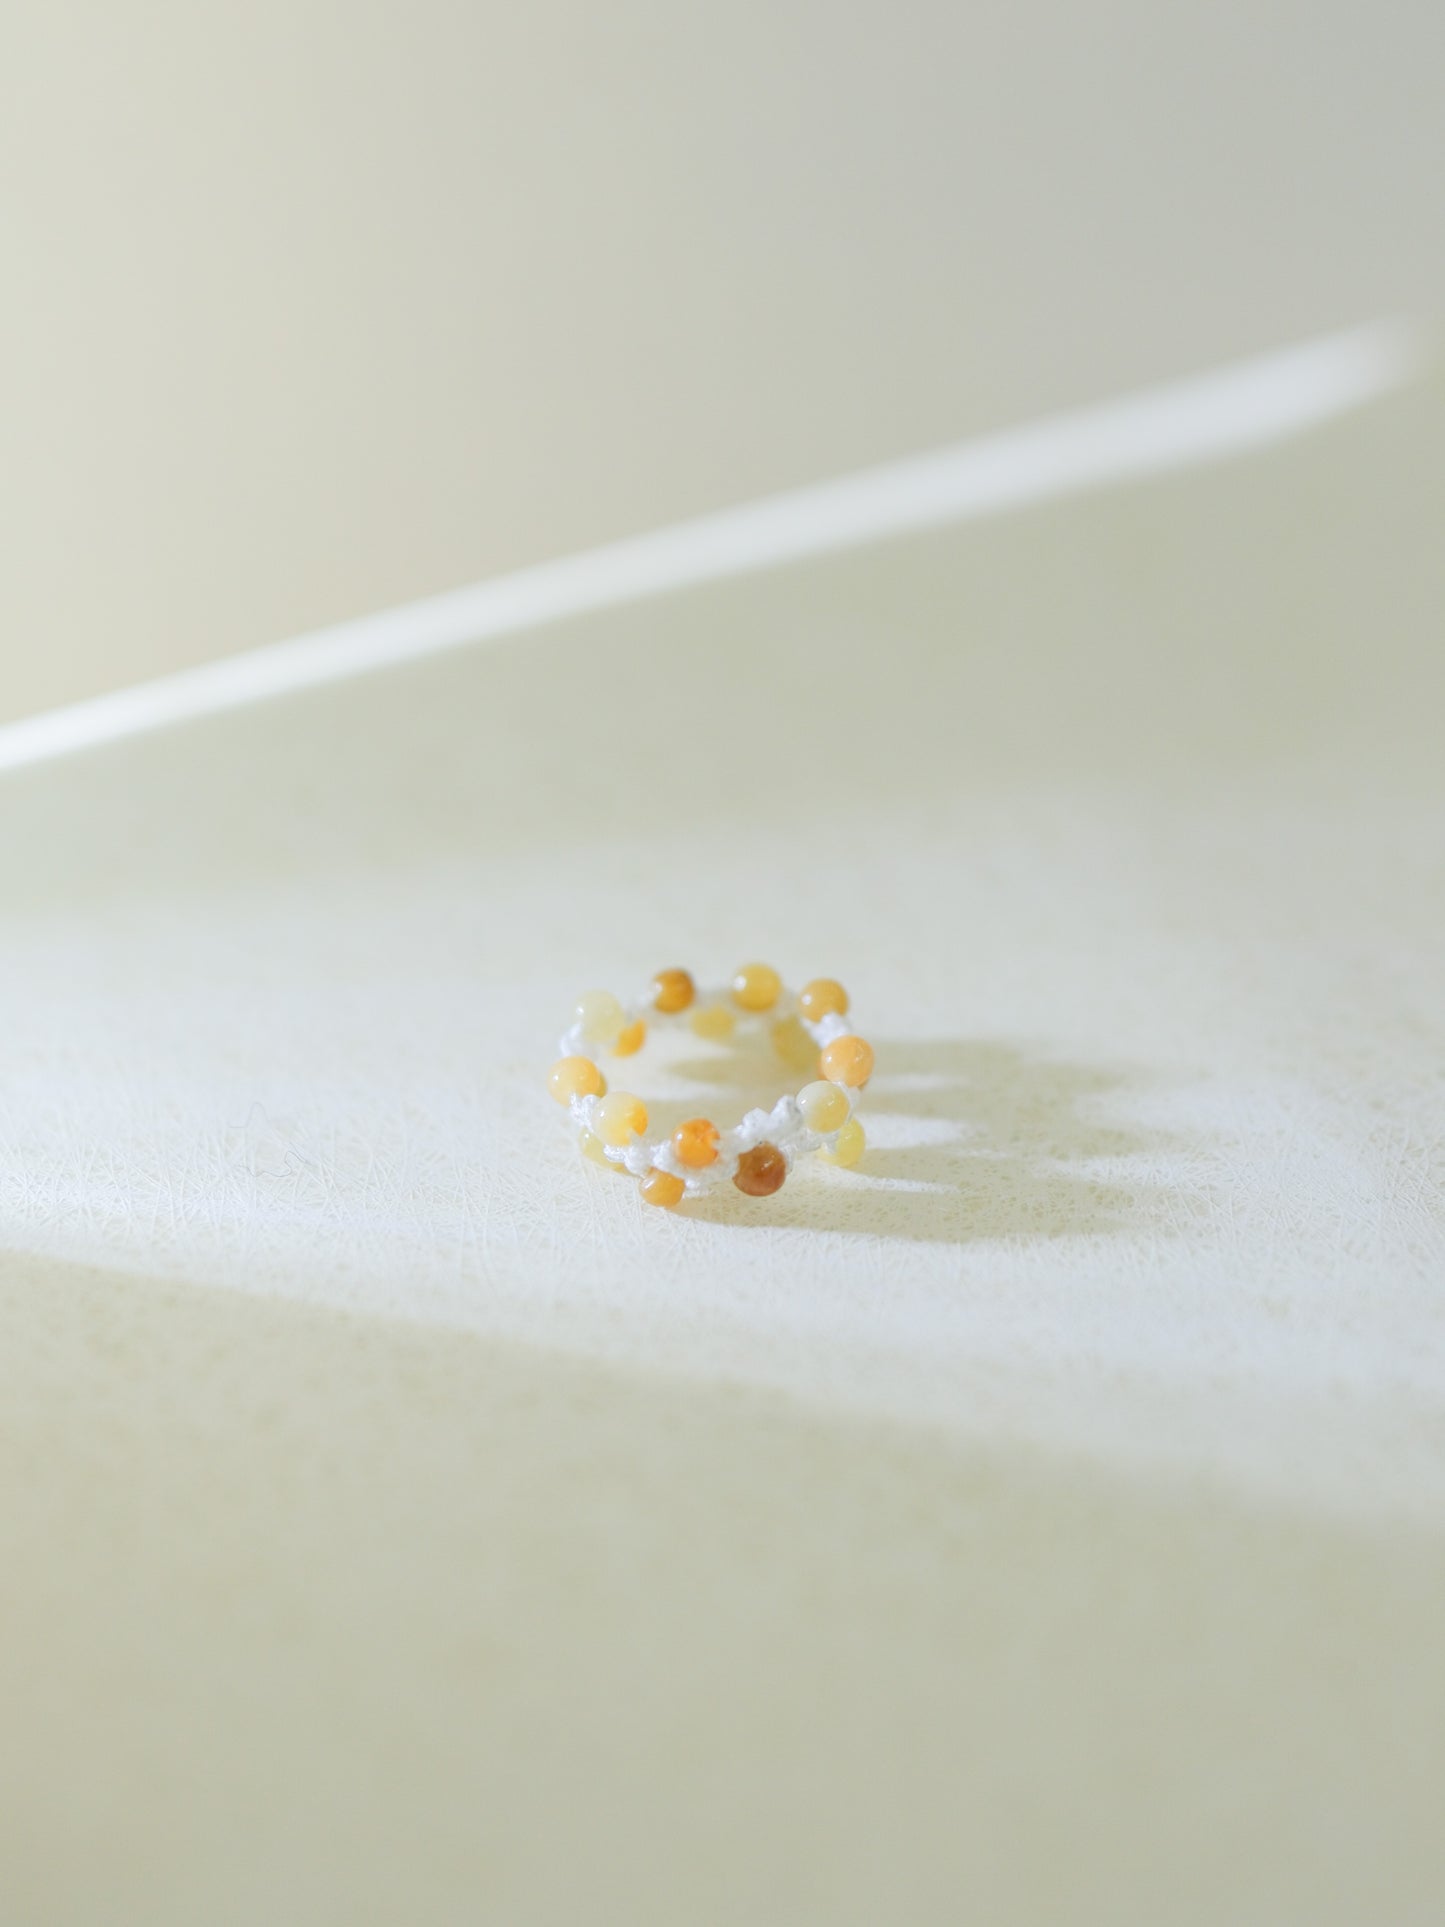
[(1123, 822)]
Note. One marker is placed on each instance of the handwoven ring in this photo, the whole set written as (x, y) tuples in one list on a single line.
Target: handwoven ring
[(755, 1155)]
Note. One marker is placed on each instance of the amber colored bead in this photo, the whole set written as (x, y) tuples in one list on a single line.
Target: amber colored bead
[(848, 1146), (761, 1171), (793, 1044), (695, 1142), (757, 987), (661, 1187), (619, 1118), (847, 1060), (715, 1021), (672, 991), (823, 997), (573, 1077), (824, 1107), (630, 1040)]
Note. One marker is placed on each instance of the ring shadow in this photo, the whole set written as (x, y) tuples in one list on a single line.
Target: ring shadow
[(1014, 1123)]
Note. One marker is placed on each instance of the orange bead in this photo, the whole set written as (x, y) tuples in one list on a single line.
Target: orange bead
[(630, 1039), (761, 1171), (757, 986), (847, 1060), (661, 1187), (672, 991), (823, 997), (695, 1142), (573, 1077)]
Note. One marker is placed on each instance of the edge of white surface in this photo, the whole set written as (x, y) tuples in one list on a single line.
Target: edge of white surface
[(1232, 410)]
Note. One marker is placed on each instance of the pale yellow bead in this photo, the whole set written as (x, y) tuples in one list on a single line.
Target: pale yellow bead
[(824, 1107), (793, 1044), (848, 1146), (661, 1187), (592, 1148), (600, 1015), (573, 1077), (757, 986), (619, 1118), (631, 1039), (713, 1020)]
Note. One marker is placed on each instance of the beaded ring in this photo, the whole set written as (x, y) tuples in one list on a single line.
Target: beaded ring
[(756, 1155)]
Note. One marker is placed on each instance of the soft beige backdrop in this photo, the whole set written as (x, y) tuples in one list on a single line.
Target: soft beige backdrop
[(308, 309), (1041, 1524)]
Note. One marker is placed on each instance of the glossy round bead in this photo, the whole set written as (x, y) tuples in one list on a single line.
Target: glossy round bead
[(631, 1038), (661, 1187), (619, 1118), (848, 1146), (695, 1143), (672, 991), (600, 1016), (715, 1021), (793, 1044), (592, 1148), (757, 986), (823, 997), (573, 1077), (847, 1060), (823, 1106), (761, 1171)]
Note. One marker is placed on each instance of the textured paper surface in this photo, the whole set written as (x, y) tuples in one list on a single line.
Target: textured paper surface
[(312, 1618), (398, 1522), (1122, 819)]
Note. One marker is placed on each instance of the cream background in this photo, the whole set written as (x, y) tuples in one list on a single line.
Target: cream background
[(1043, 1523), (310, 310)]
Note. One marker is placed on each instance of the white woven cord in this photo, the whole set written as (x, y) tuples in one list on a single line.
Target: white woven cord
[(782, 1126)]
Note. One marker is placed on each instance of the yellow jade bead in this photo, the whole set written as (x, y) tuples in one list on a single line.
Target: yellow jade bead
[(573, 1077), (661, 1187), (713, 1020), (847, 1060), (619, 1118), (823, 1106), (630, 1040), (695, 1142), (848, 1146), (757, 986), (592, 1148), (672, 991), (823, 997), (600, 1016), (793, 1044)]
